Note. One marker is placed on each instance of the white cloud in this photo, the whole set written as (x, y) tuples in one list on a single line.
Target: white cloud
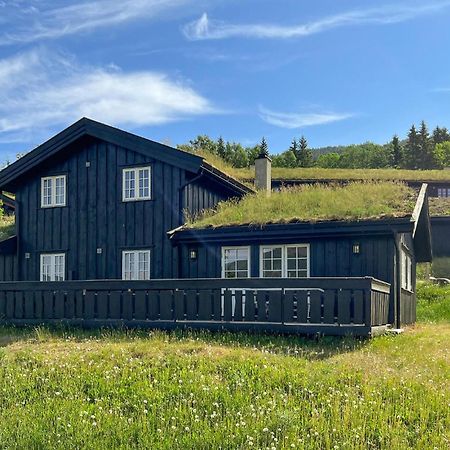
[(300, 120), (204, 28), (40, 89), (52, 19)]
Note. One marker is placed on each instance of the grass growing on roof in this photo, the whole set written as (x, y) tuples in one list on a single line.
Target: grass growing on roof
[(350, 174), (439, 206), (6, 226), (314, 203)]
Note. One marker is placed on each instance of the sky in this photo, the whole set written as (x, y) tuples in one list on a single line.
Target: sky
[(336, 71)]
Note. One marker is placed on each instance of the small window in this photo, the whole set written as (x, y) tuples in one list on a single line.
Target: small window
[(284, 261), (53, 267), (53, 191), (136, 265), (444, 192), (235, 262), (136, 184), (407, 271)]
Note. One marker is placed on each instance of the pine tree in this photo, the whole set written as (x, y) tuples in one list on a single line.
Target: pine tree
[(221, 147), (440, 135), (294, 149), (412, 149), (427, 158), (263, 149), (396, 152), (305, 158)]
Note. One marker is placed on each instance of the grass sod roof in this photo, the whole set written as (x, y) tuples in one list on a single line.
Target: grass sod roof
[(317, 173), (313, 203)]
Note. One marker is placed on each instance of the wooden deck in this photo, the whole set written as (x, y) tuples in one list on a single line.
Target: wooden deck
[(329, 306)]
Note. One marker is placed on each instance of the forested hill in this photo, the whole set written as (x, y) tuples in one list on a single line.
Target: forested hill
[(419, 150)]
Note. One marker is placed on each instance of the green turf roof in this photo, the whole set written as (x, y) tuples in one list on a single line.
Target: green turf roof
[(355, 201)]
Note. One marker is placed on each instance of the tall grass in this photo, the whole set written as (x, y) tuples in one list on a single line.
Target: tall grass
[(350, 174), (313, 202), (80, 390), (433, 302)]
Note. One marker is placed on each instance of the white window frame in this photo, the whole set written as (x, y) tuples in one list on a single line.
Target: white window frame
[(52, 271), (137, 196), (53, 203), (443, 192), (136, 271), (406, 270), (236, 247), (284, 247)]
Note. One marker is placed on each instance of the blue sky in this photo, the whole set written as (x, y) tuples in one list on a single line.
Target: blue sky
[(339, 72)]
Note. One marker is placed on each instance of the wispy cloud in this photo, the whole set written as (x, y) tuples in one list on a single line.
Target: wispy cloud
[(32, 21), (300, 120), (204, 28), (41, 89)]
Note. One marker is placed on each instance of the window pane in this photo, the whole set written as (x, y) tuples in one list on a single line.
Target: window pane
[(235, 262), (144, 183)]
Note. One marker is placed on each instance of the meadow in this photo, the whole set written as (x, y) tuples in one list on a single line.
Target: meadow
[(66, 388)]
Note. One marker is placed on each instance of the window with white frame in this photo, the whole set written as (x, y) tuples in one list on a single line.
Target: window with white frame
[(235, 262), (136, 265), (53, 267), (53, 191), (406, 270), (284, 261), (136, 184)]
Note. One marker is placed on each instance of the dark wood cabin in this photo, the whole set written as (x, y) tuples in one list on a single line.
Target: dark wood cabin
[(94, 200), (386, 249)]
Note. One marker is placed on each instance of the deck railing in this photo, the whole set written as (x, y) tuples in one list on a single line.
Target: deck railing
[(311, 305)]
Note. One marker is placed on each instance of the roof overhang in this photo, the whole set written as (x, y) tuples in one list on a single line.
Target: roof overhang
[(8, 246), (292, 231)]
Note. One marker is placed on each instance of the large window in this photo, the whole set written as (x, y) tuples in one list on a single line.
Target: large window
[(136, 265), (284, 261), (53, 266), (136, 184), (235, 262), (53, 191)]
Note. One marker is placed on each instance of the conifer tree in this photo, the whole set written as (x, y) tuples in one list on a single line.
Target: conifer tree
[(263, 148), (305, 155), (440, 135), (426, 156), (412, 149), (294, 148), (396, 152), (221, 147)]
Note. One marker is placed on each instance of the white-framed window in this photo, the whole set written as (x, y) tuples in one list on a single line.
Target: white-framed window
[(53, 267), (444, 192), (406, 270), (136, 184), (284, 261), (136, 265), (235, 262), (53, 191)]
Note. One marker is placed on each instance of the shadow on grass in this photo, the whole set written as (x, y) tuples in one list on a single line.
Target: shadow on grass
[(311, 348)]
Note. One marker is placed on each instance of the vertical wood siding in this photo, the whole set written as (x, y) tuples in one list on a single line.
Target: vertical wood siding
[(329, 258), (95, 216)]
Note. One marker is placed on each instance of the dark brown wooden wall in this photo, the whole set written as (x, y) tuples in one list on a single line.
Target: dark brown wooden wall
[(330, 257), (95, 216), (8, 267)]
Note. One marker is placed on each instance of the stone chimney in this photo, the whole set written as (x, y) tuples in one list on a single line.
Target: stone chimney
[(263, 173)]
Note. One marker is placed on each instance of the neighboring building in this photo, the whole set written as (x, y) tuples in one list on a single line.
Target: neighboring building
[(95, 202)]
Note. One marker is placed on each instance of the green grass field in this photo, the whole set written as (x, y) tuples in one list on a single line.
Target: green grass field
[(143, 389)]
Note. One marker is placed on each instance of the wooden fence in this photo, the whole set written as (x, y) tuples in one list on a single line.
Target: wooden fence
[(335, 306)]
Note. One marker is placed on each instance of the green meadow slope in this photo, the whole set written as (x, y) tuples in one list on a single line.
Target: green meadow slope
[(181, 390)]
